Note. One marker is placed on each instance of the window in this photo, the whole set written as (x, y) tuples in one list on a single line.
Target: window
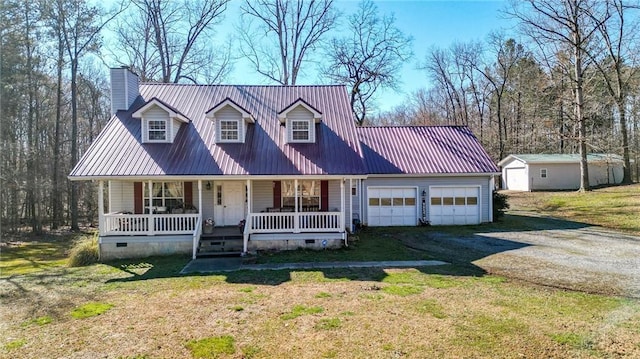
[(165, 195), (543, 173), (219, 195), (157, 130), (229, 130), (300, 130), (308, 194)]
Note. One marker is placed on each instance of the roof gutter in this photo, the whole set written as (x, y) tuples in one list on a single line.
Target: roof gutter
[(212, 177)]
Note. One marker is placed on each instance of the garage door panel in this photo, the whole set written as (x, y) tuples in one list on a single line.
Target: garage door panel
[(454, 205), (392, 206)]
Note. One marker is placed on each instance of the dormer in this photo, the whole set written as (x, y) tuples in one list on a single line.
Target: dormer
[(230, 120), (160, 121), (299, 119)]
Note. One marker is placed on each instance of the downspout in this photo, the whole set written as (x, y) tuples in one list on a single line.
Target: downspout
[(492, 186)]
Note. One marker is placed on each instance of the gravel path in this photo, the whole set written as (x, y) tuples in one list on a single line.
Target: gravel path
[(559, 254)]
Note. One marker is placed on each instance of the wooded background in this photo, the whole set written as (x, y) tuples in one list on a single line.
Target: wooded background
[(565, 82)]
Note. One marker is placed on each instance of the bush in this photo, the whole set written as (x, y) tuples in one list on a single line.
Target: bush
[(84, 252), (500, 204)]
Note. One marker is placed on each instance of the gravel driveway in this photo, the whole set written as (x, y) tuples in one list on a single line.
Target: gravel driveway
[(550, 252)]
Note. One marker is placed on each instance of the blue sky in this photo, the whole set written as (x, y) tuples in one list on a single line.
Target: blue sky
[(430, 23)]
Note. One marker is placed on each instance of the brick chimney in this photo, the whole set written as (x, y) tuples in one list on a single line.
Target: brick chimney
[(124, 88)]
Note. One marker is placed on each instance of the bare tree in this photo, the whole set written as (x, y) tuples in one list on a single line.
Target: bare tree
[(507, 55), (370, 58), (616, 59), (80, 25), (277, 35), (170, 41), (572, 23)]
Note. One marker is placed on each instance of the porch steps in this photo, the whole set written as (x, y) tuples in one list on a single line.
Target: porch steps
[(224, 241)]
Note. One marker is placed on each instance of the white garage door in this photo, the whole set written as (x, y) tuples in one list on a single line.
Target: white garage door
[(454, 205), (392, 206), (516, 179)]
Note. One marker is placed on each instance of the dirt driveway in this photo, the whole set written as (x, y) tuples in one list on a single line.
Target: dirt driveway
[(546, 251)]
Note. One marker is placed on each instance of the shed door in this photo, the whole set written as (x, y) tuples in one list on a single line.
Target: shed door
[(454, 205), (392, 206), (516, 179)]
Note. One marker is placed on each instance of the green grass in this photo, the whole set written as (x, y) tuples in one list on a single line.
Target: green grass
[(212, 347), (323, 295), (574, 340), (328, 324), (90, 310), (32, 257), (431, 306), (44, 320), (15, 344), (403, 290), (373, 245), (300, 310), (611, 207)]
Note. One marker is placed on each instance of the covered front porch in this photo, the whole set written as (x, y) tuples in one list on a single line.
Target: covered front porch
[(275, 214)]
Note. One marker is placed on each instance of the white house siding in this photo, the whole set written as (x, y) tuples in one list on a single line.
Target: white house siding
[(423, 183), (262, 195), (133, 87), (355, 200), (228, 113), (208, 199), (174, 129), (601, 173), (118, 99), (120, 196)]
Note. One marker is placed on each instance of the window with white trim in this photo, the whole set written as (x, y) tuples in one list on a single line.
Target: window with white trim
[(164, 195), (543, 173), (300, 130), (229, 130), (157, 130), (308, 194)]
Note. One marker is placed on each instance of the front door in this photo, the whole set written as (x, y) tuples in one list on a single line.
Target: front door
[(230, 209)]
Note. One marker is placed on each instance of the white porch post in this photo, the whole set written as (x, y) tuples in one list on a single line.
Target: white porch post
[(351, 204), (194, 249), (296, 216), (101, 206), (245, 234), (342, 204), (360, 199), (150, 215), (200, 199), (248, 197)]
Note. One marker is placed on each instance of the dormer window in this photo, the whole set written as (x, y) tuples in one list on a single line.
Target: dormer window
[(160, 122), (230, 121), (229, 130), (157, 130), (299, 119), (300, 130)]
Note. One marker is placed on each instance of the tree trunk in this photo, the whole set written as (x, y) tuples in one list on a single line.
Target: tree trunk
[(73, 199), (625, 141)]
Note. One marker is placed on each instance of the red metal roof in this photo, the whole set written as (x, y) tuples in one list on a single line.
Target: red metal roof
[(423, 150), (118, 150)]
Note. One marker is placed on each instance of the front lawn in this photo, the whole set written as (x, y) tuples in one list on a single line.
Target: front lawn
[(145, 309), (611, 207)]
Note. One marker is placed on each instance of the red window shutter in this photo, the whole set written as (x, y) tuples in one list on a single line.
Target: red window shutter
[(277, 194), (137, 197), (324, 195), (188, 193)]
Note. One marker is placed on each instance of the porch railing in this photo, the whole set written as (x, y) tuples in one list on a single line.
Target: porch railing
[(148, 224), (294, 222)]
